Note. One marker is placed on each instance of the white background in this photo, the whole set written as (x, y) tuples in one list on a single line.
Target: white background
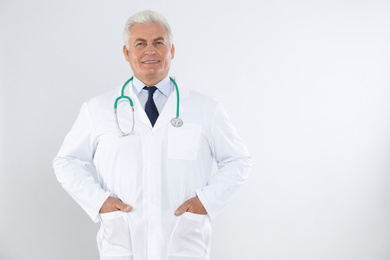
[(307, 84)]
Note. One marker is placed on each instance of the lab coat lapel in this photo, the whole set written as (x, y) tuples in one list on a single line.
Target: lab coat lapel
[(169, 110), (140, 114)]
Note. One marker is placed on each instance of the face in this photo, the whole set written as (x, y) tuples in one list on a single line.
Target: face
[(149, 53)]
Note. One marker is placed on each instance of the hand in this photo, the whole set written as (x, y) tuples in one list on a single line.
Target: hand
[(192, 205), (113, 204)]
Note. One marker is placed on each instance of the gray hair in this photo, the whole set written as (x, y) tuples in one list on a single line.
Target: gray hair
[(146, 17)]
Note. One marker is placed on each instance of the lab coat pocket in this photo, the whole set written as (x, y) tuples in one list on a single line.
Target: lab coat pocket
[(191, 236), (184, 142), (115, 234)]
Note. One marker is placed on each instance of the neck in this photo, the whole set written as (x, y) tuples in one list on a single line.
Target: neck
[(150, 81)]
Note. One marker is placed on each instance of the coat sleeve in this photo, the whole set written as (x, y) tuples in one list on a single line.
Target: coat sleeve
[(73, 163), (234, 164)]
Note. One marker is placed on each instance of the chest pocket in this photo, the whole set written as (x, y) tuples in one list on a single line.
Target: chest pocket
[(183, 142)]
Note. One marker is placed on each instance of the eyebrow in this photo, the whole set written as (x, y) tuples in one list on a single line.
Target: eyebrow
[(143, 40)]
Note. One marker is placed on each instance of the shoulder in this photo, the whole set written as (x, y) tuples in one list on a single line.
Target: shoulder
[(205, 107), (103, 102), (190, 94), (203, 102)]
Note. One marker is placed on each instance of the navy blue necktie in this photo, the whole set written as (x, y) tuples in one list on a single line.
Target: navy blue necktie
[(150, 106)]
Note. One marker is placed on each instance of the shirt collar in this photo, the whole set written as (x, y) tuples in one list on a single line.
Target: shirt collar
[(164, 86)]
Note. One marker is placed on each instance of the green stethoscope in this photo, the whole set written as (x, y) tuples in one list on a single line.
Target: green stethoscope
[(176, 121)]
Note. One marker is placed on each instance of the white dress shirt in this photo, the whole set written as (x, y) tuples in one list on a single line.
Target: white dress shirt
[(160, 96)]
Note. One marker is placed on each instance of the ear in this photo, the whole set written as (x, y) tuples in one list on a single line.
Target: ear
[(172, 51), (126, 53)]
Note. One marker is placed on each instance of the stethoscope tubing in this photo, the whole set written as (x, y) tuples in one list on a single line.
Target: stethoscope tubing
[(177, 122)]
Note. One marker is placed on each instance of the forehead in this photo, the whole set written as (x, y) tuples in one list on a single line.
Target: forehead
[(148, 31)]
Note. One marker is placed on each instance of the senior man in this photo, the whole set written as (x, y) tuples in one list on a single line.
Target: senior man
[(155, 192)]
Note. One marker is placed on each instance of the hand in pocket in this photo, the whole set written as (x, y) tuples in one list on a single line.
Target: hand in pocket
[(113, 204), (193, 205)]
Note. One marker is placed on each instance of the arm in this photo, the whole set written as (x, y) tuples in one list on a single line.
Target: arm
[(234, 166), (72, 166)]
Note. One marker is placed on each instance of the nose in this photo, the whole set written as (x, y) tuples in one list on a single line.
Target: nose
[(150, 50)]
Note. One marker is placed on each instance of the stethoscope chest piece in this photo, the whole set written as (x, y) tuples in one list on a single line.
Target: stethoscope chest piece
[(176, 122)]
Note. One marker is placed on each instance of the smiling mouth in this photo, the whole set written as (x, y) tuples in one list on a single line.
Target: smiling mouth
[(151, 62)]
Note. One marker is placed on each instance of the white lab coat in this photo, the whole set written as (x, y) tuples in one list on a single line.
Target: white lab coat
[(154, 171)]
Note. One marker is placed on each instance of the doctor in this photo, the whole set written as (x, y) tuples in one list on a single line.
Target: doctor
[(155, 192)]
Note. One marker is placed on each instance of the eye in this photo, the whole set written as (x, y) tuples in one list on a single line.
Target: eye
[(139, 44), (159, 43)]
